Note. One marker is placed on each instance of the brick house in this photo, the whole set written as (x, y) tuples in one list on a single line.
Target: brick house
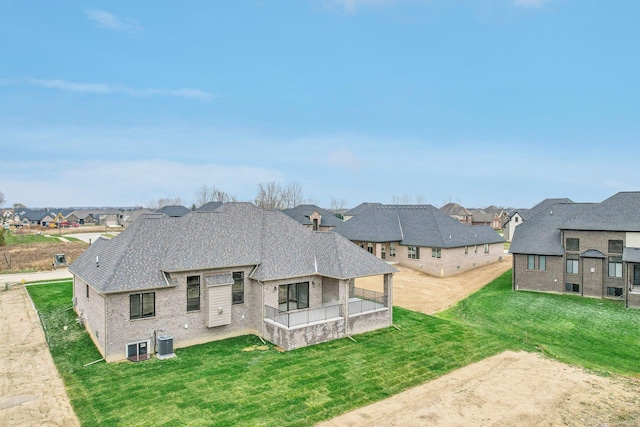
[(422, 237), (233, 271), (588, 249)]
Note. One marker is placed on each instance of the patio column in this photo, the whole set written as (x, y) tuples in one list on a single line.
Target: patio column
[(388, 291), (347, 294)]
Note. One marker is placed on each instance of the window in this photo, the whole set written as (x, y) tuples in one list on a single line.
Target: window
[(392, 249), (414, 252), (531, 262), (294, 296), (615, 266), (193, 293), (87, 291), (486, 248), (517, 219), (436, 252), (572, 287), (475, 249), (370, 248), (572, 244), (615, 246), (238, 287), (614, 292), (142, 305), (572, 264), (542, 263), (383, 251), (466, 250), (315, 224)]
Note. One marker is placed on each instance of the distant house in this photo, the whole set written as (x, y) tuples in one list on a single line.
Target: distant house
[(173, 210), (130, 216), (233, 271), (110, 217), (457, 212), (588, 249), (314, 217), (34, 218), (422, 237), (518, 216), (209, 207), (82, 216), (482, 217)]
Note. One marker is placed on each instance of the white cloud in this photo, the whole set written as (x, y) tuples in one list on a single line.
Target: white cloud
[(109, 21), (530, 3), (105, 88)]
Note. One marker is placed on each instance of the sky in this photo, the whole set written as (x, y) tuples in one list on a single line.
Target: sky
[(479, 102)]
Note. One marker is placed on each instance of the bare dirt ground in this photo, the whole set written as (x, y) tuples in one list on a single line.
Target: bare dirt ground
[(31, 391), (418, 291), (37, 256), (510, 389)]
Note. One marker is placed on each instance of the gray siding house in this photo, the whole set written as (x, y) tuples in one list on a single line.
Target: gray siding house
[(588, 249), (233, 271), (422, 237)]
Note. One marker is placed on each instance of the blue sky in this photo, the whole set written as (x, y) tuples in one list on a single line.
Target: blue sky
[(480, 102)]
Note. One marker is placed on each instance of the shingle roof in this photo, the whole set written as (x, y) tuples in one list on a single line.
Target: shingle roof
[(414, 225), (209, 207), (619, 212), (454, 209), (173, 210), (631, 255), (593, 253), (527, 214), (360, 208), (540, 235), (237, 234), (301, 213)]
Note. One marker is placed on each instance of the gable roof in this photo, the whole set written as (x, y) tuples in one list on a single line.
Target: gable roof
[(414, 225), (302, 213), (236, 234), (541, 235), (454, 209)]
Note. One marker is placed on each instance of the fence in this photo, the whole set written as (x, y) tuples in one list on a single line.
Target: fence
[(303, 317), (364, 300)]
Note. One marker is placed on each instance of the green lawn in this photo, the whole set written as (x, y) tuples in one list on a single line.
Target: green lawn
[(218, 383), (10, 238), (597, 334)]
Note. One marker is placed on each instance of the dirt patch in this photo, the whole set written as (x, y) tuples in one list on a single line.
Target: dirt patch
[(31, 391), (417, 291), (510, 389)]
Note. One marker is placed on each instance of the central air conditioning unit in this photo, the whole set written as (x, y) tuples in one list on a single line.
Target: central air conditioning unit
[(165, 347)]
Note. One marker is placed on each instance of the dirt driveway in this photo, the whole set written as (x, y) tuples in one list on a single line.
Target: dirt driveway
[(31, 392)]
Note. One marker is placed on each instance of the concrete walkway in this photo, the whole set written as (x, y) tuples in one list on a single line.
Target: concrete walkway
[(61, 273)]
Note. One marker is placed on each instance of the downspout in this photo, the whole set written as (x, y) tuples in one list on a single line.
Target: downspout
[(262, 304)]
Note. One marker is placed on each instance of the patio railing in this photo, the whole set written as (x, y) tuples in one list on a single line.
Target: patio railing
[(364, 300), (303, 317)]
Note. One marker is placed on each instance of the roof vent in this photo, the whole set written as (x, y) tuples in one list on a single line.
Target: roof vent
[(97, 261)]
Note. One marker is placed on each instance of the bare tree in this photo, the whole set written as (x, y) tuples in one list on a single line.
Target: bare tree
[(2, 199), (292, 194), (206, 194), (420, 199), (338, 204), (163, 201), (269, 195), (17, 206), (400, 200)]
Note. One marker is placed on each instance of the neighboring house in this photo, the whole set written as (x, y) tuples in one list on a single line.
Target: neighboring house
[(588, 249), (360, 208), (481, 217), (131, 216), (423, 237), (83, 216), (234, 271), (173, 210), (518, 216), (314, 217), (457, 212), (34, 218), (110, 217)]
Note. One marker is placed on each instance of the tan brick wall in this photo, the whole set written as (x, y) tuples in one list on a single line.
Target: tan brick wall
[(549, 280), (92, 312)]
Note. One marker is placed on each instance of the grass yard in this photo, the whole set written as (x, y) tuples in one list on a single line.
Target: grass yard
[(597, 334), (219, 383), (12, 238)]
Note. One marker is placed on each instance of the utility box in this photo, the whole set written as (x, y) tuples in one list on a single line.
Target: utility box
[(165, 347), (60, 260)]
